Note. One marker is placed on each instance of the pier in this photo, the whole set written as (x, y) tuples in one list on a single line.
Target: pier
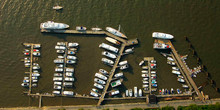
[(31, 67), (148, 59)]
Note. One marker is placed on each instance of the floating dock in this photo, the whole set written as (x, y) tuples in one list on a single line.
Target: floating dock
[(148, 59)]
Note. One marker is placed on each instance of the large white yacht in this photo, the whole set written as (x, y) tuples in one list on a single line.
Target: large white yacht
[(115, 32), (53, 25), (161, 35)]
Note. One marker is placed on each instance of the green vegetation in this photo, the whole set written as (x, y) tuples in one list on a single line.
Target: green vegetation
[(168, 108), (200, 107)]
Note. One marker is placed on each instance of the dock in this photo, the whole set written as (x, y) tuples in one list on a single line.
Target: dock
[(88, 32), (31, 67), (148, 59)]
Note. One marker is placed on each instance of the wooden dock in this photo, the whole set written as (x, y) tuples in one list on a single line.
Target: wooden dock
[(31, 67), (88, 32), (148, 59)]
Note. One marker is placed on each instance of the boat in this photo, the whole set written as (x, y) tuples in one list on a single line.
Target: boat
[(114, 92), (153, 89), (61, 43), (60, 47), (68, 93), (73, 44), (34, 85), (135, 92), (100, 76), (129, 50), (185, 86), (117, 75), (107, 61), (58, 60), (60, 56), (34, 77), (145, 85), (144, 71), (94, 94), (59, 65), (108, 54), (57, 87), (145, 75), (163, 91), (166, 91), (70, 57), (25, 81), (141, 63), (26, 78), (35, 74), (108, 47), (172, 91), (25, 84), (99, 81), (27, 53), (153, 75), (161, 46), (53, 25), (57, 83), (116, 83), (57, 7), (145, 82), (114, 41), (126, 93), (171, 63), (146, 89), (57, 78), (180, 76), (70, 70), (115, 32), (145, 67), (70, 52), (153, 61), (153, 81), (69, 74), (140, 93), (80, 28), (145, 79), (123, 63), (68, 84), (70, 61), (175, 68), (180, 80), (56, 92), (153, 72), (99, 86), (176, 72), (103, 71), (170, 59), (160, 91), (58, 69), (60, 51), (36, 46), (96, 29), (95, 90), (124, 67), (154, 85), (161, 35), (73, 49), (68, 79), (130, 92), (178, 91)]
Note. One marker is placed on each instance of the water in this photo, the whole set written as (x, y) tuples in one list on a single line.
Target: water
[(20, 20)]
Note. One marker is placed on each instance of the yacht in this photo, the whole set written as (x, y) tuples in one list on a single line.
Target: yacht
[(153, 72), (58, 69), (115, 32), (144, 71), (73, 44), (99, 86), (117, 75), (70, 61), (123, 67), (56, 92), (129, 50), (176, 72), (61, 43), (160, 46), (108, 54), (58, 60), (60, 51), (116, 83), (114, 92), (68, 84), (123, 63), (69, 69), (185, 86), (25, 84), (68, 93), (70, 52), (130, 92), (95, 90), (35, 74), (101, 76), (53, 25), (171, 63), (80, 28), (140, 93), (126, 93), (111, 40), (69, 74), (57, 87), (103, 71), (68, 79), (145, 75), (57, 7), (180, 80), (109, 47), (170, 59), (141, 63), (145, 85), (99, 81), (57, 78), (175, 68), (60, 47), (135, 92), (161, 35), (92, 93), (107, 61), (96, 29), (145, 82), (57, 83)]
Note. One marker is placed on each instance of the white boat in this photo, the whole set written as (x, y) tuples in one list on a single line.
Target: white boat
[(145, 75), (73, 44), (56, 92), (68, 93), (99, 86), (34, 77), (117, 75), (34, 85), (175, 68), (37, 54), (57, 7), (135, 92), (70, 61), (68, 79), (59, 65), (26, 78), (145, 82), (116, 83), (60, 47), (60, 56), (100, 76), (161, 35), (176, 72), (145, 85), (95, 90), (178, 91), (96, 29), (58, 69), (25, 84), (180, 76), (80, 28), (185, 86), (57, 78), (99, 81), (114, 41), (124, 67), (60, 51), (145, 79), (126, 93), (69, 69), (68, 84), (172, 91), (140, 93), (130, 92), (153, 81), (57, 87), (129, 50), (94, 94), (25, 81), (171, 63), (123, 63), (35, 74), (61, 43), (114, 92), (73, 49), (180, 80), (53, 25), (107, 61), (58, 60), (141, 63), (70, 52), (160, 46), (108, 47), (57, 83), (70, 57), (36, 46), (145, 67), (170, 59), (153, 61), (144, 71), (103, 71), (115, 32), (69, 74), (153, 72), (108, 54)]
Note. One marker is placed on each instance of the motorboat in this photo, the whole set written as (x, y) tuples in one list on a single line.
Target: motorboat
[(57, 78), (58, 60), (176, 72), (145, 75), (145, 67), (153, 61), (57, 83), (175, 68), (56, 92), (53, 25), (123, 63), (115, 32), (163, 91), (180, 76), (109, 47), (140, 93), (146, 89), (68, 84), (135, 92), (153, 81), (172, 91), (161, 35), (59, 65), (27, 53), (34, 77), (70, 57), (171, 63), (26, 78), (36, 46), (69, 79), (60, 51), (95, 90), (153, 72), (130, 92), (161, 46), (26, 50), (60, 47), (153, 75), (73, 49), (99, 86), (145, 85), (70, 70), (57, 87), (35, 74), (57, 7), (61, 43), (185, 86), (178, 91), (94, 94), (34, 85), (68, 93), (96, 29), (70, 61), (117, 75), (26, 81), (73, 44), (99, 81), (100, 76), (69, 74), (180, 80), (25, 84), (70, 52), (114, 92), (27, 61), (123, 67), (59, 69), (154, 85), (144, 71), (114, 41), (60, 56), (141, 63), (126, 93), (129, 50), (103, 71), (145, 79), (170, 59), (107, 61), (116, 83), (80, 28), (108, 54)]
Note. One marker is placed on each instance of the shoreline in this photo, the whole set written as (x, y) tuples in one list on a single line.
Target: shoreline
[(124, 106)]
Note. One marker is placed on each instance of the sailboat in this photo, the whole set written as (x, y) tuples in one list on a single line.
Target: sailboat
[(116, 32)]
